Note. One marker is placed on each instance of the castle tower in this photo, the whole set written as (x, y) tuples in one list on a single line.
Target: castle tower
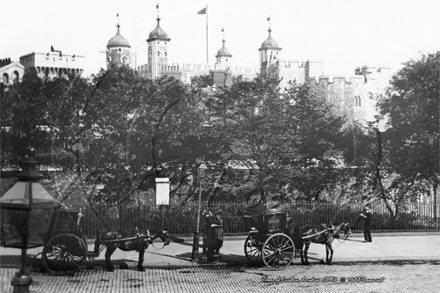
[(268, 55), (118, 50), (157, 50), (223, 59)]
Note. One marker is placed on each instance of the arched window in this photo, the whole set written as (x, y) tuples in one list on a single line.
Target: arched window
[(15, 76), (5, 78)]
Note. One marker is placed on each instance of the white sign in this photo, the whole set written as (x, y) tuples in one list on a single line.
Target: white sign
[(162, 191)]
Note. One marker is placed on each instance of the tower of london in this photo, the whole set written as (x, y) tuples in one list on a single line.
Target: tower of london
[(353, 96)]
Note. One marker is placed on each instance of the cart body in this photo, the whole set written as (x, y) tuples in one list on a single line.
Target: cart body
[(270, 240)]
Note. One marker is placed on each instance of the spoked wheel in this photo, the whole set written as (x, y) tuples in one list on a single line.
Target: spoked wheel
[(278, 251), (252, 249), (64, 253)]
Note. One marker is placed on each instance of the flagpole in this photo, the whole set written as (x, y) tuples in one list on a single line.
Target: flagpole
[(207, 55)]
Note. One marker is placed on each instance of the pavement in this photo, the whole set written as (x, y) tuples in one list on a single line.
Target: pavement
[(414, 246)]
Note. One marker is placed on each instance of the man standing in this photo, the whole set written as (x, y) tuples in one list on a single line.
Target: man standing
[(366, 216)]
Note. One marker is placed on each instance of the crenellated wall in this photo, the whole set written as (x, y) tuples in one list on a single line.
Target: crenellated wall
[(54, 63), (352, 96)]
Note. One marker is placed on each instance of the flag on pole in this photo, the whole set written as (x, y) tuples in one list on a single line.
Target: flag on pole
[(203, 11)]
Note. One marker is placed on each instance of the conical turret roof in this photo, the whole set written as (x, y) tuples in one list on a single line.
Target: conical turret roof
[(118, 40), (223, 52), (270, 43), (158, 33)]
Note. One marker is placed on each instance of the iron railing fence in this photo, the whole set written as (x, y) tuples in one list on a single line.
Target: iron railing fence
[(181, 220)]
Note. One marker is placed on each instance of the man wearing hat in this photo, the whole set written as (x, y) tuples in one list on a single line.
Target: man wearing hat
[(366, 216)]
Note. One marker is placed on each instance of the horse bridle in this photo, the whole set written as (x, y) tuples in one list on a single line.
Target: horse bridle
[(155, 248), (346, 237)]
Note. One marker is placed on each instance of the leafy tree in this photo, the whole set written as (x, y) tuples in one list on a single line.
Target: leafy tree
[(116, 129), (30, 110), (408, 148), (139, 129), (203, 80), (276, 136)]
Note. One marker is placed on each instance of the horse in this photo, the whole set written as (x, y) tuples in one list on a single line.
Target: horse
[(322, 235), (127, 241)]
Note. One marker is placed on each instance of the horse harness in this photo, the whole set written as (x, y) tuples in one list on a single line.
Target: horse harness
[(328, 239)]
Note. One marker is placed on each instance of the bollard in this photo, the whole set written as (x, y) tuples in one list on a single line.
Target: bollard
[(21, 282), (195, 248), (204, 257)]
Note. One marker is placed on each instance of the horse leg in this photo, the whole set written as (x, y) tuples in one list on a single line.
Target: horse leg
[(307, 245), (142, 248), (329, 248), (302, 256), (108, 263)]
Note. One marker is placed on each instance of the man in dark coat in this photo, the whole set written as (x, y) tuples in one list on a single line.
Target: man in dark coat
[(366, 216)]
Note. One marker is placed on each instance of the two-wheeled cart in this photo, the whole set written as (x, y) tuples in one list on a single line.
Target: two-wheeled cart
[(270, 240), (65, 249)]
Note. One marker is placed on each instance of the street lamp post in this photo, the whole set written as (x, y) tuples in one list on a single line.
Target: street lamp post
[(25, 210), (195, 250)]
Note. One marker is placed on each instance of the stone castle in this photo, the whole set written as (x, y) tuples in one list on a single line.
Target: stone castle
[(353, 96)]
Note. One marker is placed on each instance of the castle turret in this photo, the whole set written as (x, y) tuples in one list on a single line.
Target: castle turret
[(157, 51), (268, 55), (223, 59), (118, 50)]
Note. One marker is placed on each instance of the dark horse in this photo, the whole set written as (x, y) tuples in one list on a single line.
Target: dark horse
[(129, 242), (323, 235)]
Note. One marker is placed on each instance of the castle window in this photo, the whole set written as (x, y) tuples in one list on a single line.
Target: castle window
[(166, 54), (358, 101), (15, 76), (158, 53), (5, 78)]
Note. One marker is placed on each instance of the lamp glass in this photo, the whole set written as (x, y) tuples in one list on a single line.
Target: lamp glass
[(13, 227), (202, 170)]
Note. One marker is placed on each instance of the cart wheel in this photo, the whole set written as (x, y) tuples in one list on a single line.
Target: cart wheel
[(252, 249), (64, 253), (278, 251)]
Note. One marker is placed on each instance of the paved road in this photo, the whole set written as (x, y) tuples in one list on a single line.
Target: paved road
[(355, 277), (170, 269), (407, 247)]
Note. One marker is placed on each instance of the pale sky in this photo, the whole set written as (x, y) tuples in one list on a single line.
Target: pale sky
[(344, 34)]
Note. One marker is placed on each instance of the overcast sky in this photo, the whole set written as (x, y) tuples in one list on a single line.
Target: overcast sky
[(344, 34)]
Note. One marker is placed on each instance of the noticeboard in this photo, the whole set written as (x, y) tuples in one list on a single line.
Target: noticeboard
[(162, 191)]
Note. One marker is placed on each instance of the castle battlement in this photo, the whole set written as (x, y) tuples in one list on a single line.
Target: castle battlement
[(290, 63), (348, 79), (171, 68), (53, 59), (198, 69)]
